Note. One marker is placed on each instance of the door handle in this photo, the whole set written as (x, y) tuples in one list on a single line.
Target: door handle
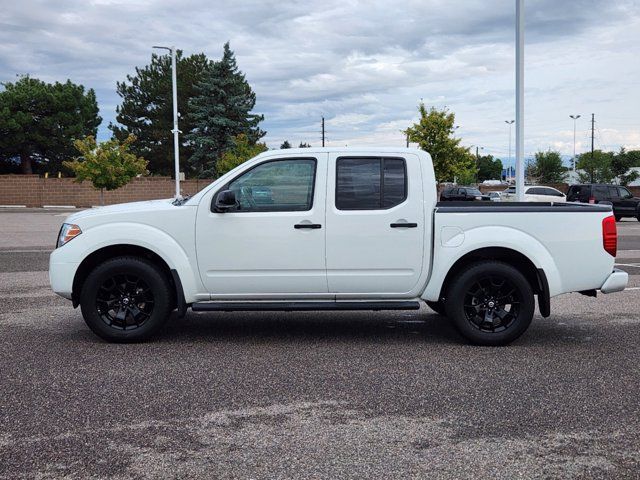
[(311, 226), (404, 225)]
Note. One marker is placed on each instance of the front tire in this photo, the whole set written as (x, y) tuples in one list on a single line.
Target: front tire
[(491, 303), (126, 299)]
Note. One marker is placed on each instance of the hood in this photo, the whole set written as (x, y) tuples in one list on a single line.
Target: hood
[(122, 208)]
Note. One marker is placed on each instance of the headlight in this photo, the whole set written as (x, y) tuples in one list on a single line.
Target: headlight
[(67, 233)]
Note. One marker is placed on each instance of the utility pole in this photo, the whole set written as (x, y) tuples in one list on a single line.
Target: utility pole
[(593, 141), (175, 131), (575, 119), (323, 131), (520, 100), (407, 140)]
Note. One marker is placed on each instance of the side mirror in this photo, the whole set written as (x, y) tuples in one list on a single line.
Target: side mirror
[(225, 201)]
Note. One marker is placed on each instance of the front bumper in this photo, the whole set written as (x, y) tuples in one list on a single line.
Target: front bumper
[(616, 282), (61, 275)]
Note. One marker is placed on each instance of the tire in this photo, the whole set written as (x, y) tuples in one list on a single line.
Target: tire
[(126, 299), (476, 303), (438, 307)]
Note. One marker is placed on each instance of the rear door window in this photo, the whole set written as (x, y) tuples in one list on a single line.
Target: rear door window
[(600, 193), (613, 193), (370, 183)]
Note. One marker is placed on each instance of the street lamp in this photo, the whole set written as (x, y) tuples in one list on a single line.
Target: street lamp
[(520, 100), (575, 119), (175, 131)]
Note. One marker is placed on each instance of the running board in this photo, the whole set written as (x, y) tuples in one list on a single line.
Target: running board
[(300, 306)]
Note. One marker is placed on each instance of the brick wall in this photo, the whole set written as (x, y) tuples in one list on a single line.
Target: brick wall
[(35, 191)]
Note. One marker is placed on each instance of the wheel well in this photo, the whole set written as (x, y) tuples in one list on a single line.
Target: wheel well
[(506, 255), (113, 251)]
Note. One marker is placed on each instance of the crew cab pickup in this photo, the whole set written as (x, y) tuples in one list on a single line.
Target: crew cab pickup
[(331, 229)]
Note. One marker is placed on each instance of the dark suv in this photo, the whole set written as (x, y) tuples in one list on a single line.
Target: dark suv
[(463, 194), (624, 203)]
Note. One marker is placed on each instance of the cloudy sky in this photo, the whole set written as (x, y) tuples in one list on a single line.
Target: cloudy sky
[(363, 65)]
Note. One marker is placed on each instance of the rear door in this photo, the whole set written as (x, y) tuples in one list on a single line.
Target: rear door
[(375, 224)]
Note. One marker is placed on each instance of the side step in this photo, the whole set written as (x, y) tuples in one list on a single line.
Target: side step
[(300, 306)]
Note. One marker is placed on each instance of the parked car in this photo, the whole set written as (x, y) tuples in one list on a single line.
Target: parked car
[(495, 196), (348, 229), (535, 193), (463, 194), (623, 201)]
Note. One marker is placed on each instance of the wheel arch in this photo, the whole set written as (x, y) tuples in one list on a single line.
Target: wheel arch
[(103, 254), (534, 275)]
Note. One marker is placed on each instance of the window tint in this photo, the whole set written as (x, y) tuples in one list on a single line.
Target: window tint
[(624, 193), (277, 186), (474, 192), (552, 192), (613, 193), (600, 193), (533, 191), (370, 183)]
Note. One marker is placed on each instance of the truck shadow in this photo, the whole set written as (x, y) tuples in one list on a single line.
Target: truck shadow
[(311, 326)]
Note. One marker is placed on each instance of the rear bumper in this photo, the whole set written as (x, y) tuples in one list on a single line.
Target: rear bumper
[(616, 282)]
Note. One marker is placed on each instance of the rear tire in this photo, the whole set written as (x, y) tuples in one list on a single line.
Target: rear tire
[(491, 303), (126, 299), (438, 307)]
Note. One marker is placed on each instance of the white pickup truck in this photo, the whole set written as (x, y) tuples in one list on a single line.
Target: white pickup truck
[(331, 229)]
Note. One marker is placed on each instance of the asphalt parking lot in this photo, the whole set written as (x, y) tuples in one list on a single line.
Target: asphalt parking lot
[(299, 395)]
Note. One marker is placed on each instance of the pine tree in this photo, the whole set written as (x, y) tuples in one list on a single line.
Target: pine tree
[(147, 108), (221, 111), (285, 145)]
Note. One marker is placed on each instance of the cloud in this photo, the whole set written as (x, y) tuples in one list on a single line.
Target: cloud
[(364, 66)]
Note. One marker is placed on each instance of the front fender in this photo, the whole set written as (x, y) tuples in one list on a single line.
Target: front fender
[(445, 256), (146, 236)]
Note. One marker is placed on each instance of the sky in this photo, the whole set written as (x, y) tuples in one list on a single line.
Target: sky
[(364, 66)]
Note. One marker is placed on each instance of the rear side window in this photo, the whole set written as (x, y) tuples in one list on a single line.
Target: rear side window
[(600, 193), (374, 183), (550, 192)]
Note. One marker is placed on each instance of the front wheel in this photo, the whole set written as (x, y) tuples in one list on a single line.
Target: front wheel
[(126, 299), (491, 303)]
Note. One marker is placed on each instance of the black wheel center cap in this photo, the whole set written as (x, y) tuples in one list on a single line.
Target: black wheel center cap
[(492, 304)]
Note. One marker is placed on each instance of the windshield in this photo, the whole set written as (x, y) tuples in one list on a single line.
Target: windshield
[(474, 191)]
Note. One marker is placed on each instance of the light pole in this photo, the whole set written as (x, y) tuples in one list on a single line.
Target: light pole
[(520, 100), (510, 123), (175, 131), (575, 119)]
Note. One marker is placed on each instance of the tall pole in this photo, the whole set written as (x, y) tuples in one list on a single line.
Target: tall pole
[(323, 131), (593, 141), (520, 100), (575, 120), (407, 140), (510, 123), (175, 131)]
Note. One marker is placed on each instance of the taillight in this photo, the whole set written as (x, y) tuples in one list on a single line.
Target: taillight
[(610, 236), (592, 199)]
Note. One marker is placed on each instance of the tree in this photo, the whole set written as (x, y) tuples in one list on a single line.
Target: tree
[(147, 108), (108, 165), (489, 168), (241, 151), (285, 145), (547, 168), (39, 121), (434, 134), (304, 145), (595, 168), (221, 111), (621, 165)]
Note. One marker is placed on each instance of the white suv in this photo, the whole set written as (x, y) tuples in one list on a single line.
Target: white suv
[(535, 193)]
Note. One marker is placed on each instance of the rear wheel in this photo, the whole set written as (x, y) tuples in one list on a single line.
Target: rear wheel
[(491, 303), (126, 299)]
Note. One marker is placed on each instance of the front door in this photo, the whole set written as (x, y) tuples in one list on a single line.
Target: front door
[(375, 225), (273, 243)]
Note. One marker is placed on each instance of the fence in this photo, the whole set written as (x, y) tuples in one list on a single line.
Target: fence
[(35, 191)]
